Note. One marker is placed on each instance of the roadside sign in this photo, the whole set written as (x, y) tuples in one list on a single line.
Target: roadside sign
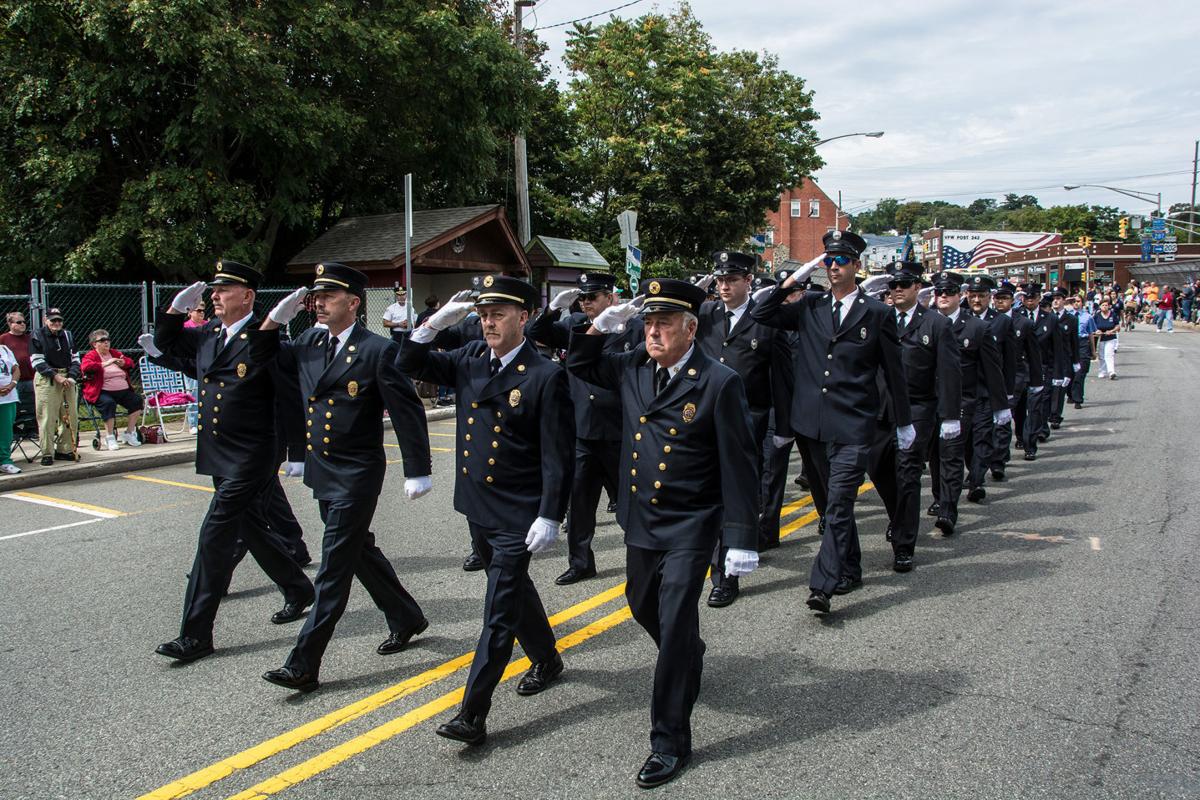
[(633, 267), (1146, 249)]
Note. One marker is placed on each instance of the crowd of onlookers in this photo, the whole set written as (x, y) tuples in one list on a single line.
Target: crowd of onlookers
[(1149, 303)]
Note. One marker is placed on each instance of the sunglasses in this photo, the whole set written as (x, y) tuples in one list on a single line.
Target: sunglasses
[(101, 339), (841, 261), (17, 322), (945, 292), (901, 284)]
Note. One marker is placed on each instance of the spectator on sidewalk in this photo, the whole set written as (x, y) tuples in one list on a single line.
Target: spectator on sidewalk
[(56, 364), (10, 376), (17, 339), (395, 318), (432, 304), (195, 317), (106, 385), (1108, 323), (1166, 311)]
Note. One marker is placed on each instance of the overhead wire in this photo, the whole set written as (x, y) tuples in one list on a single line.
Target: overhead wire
[(589, 16)]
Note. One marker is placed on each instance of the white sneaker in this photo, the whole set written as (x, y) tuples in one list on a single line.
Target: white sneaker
[(111, 441), (9, 469), (130, 438), (194, 430)]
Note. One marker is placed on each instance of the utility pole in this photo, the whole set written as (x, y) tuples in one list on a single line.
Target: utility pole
[(1192, 210), (521, 163)]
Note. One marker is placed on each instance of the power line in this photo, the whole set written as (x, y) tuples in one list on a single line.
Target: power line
[(589, 16)]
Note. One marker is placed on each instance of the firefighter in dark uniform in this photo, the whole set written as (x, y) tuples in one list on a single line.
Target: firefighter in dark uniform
[(934, 378), (1037, 417), (1067, 327), (514, 461), (235, 445), (688, 480), (729, 335), (780, 436), (348, 377), (979, 358), (844, 338), (597, 413), (983, 448), (1028, 376)]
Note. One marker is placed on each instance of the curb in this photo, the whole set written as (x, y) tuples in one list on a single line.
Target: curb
[(175, 455)]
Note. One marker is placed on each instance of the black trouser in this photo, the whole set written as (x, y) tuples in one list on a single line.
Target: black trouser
[(348, 551), (1084, 356), (774, 485), (511, 608), (281, 525), (881, 467), (1058, 401), (759, 425), (1002, 444), (1044, 399), (910, 464), (663, 587), (839, 470), (946, 467), (980, 445), (595, 465), (235, 512)]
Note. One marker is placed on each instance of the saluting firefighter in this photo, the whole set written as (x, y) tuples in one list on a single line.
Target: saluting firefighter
[(931, 367), (688, 479), (515, 436), (729, 335), (983, 447), (979, 358), (597, 413), (844, 338), (1028, 376), (235, 445), (348, 378)]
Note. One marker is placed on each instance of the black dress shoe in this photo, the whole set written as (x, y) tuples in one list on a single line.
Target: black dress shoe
[(976, 494), (821, 527), (292, 678), (466, 728), (660, 768), (1043, 437), (1055, 426), (903, 562), (722, 595), (291, 611), (612, 506), (997, 474), (540, 676), (934, 509), (185, 649), (575, 575), (887, 535), (1079, 405), (1030, 455), (47, 461), (302, 560), (472, 563), (802, 482), (846, 585), (396, 640), (945, 525), (818, 601)]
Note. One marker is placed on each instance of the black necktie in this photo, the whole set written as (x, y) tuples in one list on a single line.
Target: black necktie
[(900, 321), (728, 323), (661, 379), (495, 364), (331, 350), (837, 315)]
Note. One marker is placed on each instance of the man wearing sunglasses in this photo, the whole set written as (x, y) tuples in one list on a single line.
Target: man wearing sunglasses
[(843, 339), (597, 412)]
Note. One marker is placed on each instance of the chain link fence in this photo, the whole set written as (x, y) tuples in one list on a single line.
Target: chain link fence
[(119, 309), (15, 302)]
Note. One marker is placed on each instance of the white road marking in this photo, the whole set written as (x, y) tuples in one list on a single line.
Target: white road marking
[(47, 530), (1095, 542)]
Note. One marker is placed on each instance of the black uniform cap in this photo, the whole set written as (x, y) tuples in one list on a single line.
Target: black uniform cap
[(497, 289), (948, 280), (1004, 289), (1031, 289), (332, 275), (905, 271), (763, 281), (231, 273), (843, 243), (730, 262), (668, 294), (980, 283), (596, 282)]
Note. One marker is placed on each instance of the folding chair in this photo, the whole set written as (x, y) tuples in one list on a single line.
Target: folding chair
[(25, 431), (157, 379)]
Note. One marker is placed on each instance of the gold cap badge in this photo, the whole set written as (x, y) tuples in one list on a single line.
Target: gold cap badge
[(320, 269), (489, 280), (654, 287)]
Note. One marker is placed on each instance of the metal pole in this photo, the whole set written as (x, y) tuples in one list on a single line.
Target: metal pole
[(35, 306), (408, 232), (1192, 209), (520, 162)]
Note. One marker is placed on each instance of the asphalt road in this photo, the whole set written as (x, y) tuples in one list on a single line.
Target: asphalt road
[(1049, 650)]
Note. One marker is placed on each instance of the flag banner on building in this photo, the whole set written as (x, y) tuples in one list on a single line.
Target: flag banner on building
[(969, 249)]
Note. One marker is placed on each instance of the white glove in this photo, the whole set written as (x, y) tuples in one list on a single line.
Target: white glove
[(461, 296), (293, 469), (951, 429), (563, 300), (1002, 417), (762, 294), (924, 295), (1075, 368), (450, 314), (146, 341), (417, 487), (740, 562), (287, 308), (781, 441), (189, 298), (706, 281), (542, 535), (876, 283), (805, 272), (906, 436), (613, 318)]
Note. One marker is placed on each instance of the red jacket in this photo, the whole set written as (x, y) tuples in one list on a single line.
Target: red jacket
[(93, 373)]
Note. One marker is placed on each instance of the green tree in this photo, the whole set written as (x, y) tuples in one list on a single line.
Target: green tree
[(700, 143), (142, 139)]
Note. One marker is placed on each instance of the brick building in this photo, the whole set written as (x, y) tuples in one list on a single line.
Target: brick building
[(1066, 265), (795, 229)]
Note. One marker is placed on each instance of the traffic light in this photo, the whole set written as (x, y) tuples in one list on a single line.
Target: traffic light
[(1082, 242), (1087, 243), (1124, 227)]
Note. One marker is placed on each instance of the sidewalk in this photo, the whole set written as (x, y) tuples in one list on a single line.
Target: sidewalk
[(93, 463)]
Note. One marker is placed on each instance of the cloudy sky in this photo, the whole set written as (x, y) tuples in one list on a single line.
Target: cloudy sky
[(977, 100)]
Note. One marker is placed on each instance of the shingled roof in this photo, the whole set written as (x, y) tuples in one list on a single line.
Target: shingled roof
[(568, 252)]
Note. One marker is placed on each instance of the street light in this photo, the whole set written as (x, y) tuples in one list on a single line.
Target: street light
[(871, 135), (1146, 197)]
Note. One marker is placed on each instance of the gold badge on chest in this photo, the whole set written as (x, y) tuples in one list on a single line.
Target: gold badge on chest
[(514, 398), (241, 370), (352, 388), (689, 412)]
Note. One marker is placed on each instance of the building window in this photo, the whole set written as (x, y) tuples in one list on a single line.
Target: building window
[(770, 237), (814, 208), (795, 208)]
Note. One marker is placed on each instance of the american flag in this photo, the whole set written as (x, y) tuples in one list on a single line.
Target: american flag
[(952, 258)]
